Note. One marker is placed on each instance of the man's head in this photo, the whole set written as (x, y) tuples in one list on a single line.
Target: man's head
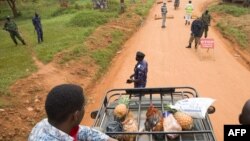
[(139, 56), (65, 103), (164, 4), (8, 18), (206, 11), (244, 117), (190, 1), (36, 14)]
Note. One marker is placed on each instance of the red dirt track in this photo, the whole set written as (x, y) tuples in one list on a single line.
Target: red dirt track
[(216, 74)]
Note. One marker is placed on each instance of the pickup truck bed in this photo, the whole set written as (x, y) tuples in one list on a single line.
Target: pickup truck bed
[(202, 130)]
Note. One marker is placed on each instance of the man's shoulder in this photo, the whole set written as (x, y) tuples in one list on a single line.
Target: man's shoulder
[(43, 131), (95, 135)]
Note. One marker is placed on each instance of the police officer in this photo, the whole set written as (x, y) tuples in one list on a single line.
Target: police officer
[(11, 27), (206, 18), (197, 29), (139, 78), (36, 20), (164, 14)]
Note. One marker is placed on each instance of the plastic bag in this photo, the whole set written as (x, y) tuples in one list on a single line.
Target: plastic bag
[(195, 107), (114, 126), (170, 124)]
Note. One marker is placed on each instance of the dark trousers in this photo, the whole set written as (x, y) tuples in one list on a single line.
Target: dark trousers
[(195, 39), (205, 30), (39, 32), (14, 34)]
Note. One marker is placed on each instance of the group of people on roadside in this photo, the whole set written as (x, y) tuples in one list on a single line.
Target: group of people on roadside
[(65, 108), (199, 26), (65, 103), (12, 28)]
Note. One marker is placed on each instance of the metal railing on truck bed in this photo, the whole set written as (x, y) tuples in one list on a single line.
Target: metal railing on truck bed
[(140, 99)]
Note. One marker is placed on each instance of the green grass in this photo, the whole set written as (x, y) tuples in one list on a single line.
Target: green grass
[(104, 56), (144, 8), (16, 62), (234, 32), (91, 18), (60, 33), (65, 30), (231, 9)]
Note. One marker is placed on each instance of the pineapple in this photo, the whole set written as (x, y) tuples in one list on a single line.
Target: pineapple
[(185, 121), (121, 109), (124, 100)]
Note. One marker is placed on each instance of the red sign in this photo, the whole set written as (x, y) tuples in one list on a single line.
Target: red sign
[(207, 43)]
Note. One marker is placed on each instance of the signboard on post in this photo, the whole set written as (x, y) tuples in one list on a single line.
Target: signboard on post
[(207, 43)]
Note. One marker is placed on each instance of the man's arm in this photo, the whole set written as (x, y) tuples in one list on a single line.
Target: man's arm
[(131, 76), (111, 139)]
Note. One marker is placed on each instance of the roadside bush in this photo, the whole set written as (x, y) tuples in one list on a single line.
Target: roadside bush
[(233, 33), (91, 18), (230, 9), (62, 11)]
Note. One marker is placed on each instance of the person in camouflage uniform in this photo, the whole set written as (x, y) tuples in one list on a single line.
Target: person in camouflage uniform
[(11, 27), (206, 18), (164, 14)]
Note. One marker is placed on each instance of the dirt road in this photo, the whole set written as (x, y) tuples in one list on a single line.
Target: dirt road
[(216, 74)]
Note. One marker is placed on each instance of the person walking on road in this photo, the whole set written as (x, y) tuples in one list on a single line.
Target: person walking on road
[(164, 14), (197, 29), (139, 78), (206, 18), (11, 27), (189, 10), (176, 4), (36, 20)]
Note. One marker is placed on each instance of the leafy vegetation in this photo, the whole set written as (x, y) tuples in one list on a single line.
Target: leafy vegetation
[(233, 22), (65, 30), (91, 18), (104, 56), (234, 33), (144, 8), (230, 9)]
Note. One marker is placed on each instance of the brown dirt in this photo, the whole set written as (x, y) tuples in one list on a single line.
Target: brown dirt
[(26, 103), (216, 74)]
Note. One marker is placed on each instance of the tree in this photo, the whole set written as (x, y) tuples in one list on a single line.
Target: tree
[(12, 4)]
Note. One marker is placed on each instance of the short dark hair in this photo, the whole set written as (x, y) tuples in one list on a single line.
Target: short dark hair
[(8, 17), (140, 54), (244, 117), (64, 100)]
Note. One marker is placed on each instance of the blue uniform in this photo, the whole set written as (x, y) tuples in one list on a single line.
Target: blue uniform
[(197, 28), (141, 70), (38, 27)]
